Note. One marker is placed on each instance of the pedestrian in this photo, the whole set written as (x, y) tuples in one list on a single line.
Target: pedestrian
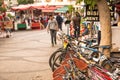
[(67, 22), (59, 21), (8, 26), (99, 37), (52, 27), (76, 24)]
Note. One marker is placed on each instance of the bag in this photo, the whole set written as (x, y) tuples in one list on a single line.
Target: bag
[(56, 28)]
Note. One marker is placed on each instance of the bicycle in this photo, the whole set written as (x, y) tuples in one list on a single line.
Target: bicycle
[(63, 51), (70, 69), (97, 72), (64, 54)]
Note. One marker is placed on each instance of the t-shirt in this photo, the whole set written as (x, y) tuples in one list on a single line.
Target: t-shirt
[(76, 21), (52, 24)]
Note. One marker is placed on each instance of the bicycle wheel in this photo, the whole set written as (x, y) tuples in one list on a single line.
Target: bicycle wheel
[(65, 54), (108, 65), (57, 61), (54, 55)]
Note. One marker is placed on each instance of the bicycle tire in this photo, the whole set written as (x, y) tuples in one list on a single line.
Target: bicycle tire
[(55, 65), (107, 65), (61, 58), (52, 57)]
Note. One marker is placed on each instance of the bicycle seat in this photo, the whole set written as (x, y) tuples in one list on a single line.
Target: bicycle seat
[(105, 46)]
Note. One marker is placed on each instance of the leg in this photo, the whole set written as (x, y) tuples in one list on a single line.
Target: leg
[(60, 26), (10, 32), (55, 36), (75, 33), (78, 32), (68, 26), (99, 37), (7, 33), (52, 36)]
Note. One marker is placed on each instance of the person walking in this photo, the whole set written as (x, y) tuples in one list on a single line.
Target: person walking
[(76, 24), (52, 27), (59, 21), (67, 22)]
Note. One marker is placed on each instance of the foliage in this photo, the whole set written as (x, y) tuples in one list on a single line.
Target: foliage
[(25, 1), (91, 3), (3, 9), (10, 16), (71, 8), (0, 3)]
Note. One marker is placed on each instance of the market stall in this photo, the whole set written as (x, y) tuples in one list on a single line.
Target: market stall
[(20, 22), (28, 16)]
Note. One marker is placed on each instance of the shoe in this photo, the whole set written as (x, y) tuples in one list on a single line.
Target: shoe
[(7, 36), (52, 45), (55, 43)]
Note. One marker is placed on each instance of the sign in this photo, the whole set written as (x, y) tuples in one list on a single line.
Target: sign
[(92, 14)]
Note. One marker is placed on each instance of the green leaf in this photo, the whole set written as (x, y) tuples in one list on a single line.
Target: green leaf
[(3, 9), (91, 3), (71, 8), (25, 1)]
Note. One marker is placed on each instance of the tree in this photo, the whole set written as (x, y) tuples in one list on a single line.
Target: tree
[(70, 8), (25, 1), (104, 14), (2, 7)]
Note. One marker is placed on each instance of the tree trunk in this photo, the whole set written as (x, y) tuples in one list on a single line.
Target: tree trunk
[(106, 33)]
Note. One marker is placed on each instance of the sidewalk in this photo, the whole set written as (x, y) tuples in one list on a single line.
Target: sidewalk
[(25, 56)]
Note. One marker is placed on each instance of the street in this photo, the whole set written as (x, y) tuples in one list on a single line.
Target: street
[(25, 56)]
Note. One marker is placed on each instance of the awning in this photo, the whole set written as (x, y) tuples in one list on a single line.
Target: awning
[(62, 9), (21, 7), (37, 7), (25, 7), (47, 10)]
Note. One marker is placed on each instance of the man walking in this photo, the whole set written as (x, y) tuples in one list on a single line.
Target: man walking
[(52, 27), (76, 24), (59, 21)]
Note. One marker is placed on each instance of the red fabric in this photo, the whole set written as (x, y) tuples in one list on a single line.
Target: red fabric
[(1, 17), (4, 14), (118, 6), (35, 25)]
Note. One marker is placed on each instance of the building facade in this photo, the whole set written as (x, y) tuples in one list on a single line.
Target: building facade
[(55, 2), (43, 2), (10, 2)]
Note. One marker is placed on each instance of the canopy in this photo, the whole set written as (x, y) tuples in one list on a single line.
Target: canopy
[(44, 8), (21, 7), (62, 9), (47, 10), (36, 7)]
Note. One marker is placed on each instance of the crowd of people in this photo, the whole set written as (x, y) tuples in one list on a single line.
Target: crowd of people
[(76, 28), (6, 26), (53, 23)]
